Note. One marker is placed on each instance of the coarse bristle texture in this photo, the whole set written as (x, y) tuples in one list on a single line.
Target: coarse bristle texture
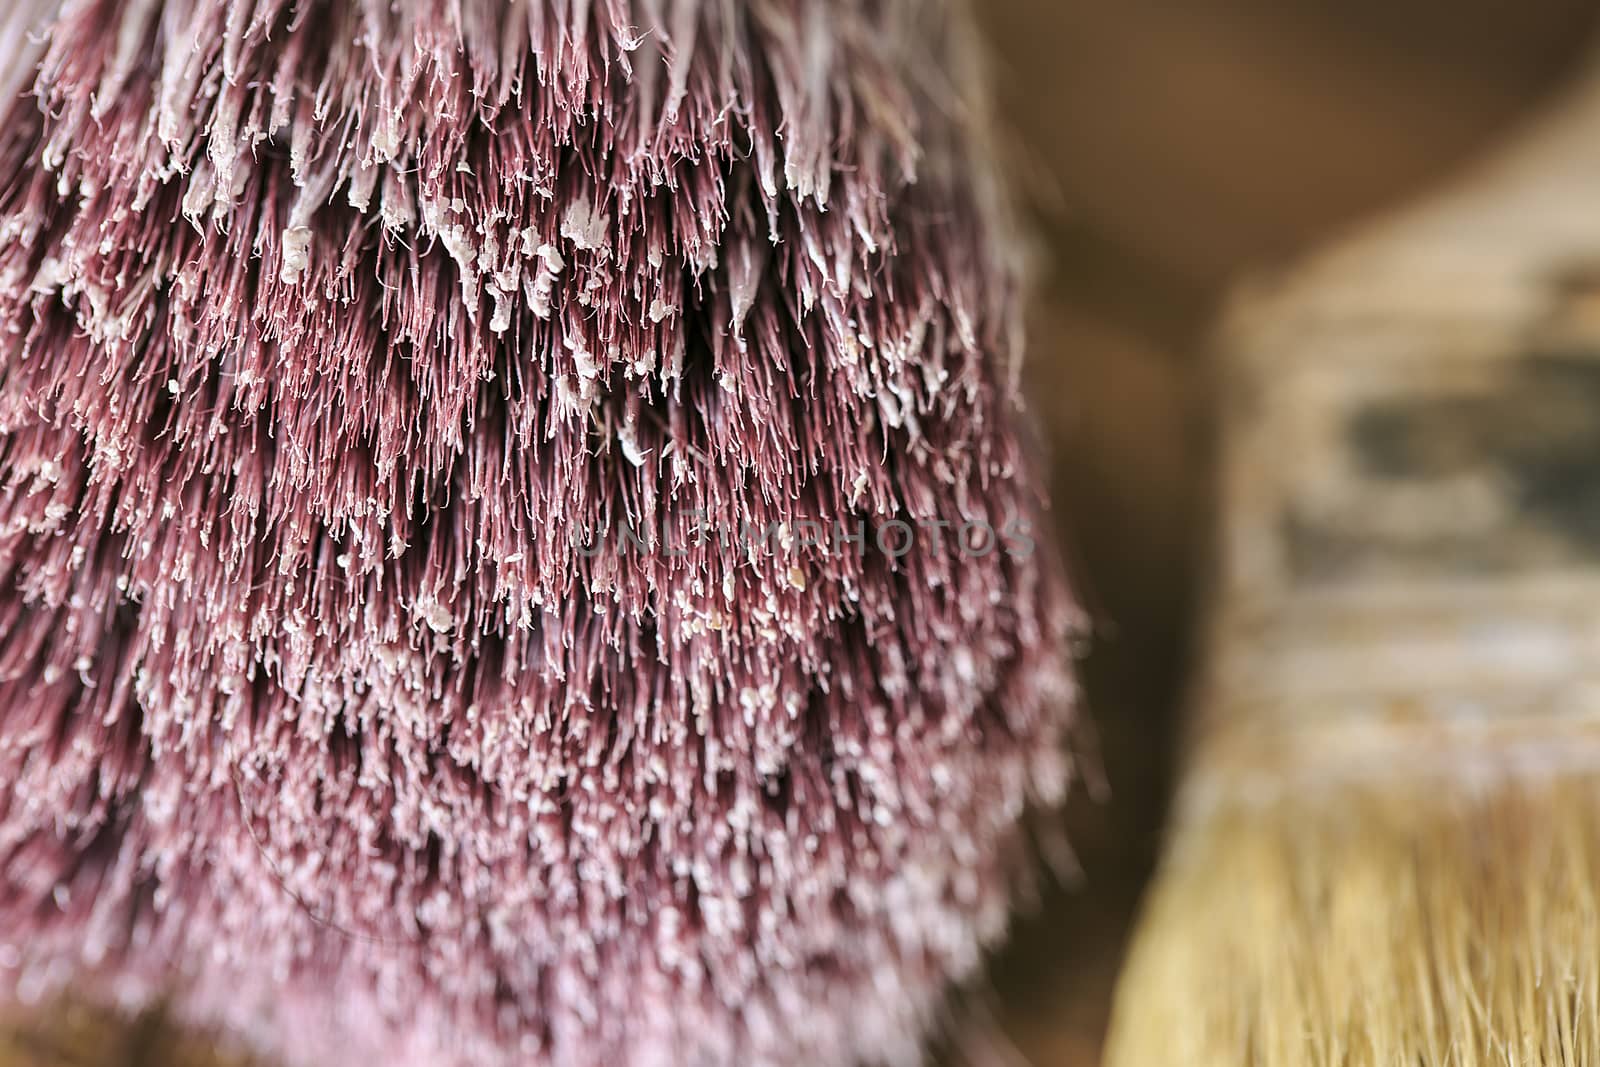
[(340, 337), (1412, 921)]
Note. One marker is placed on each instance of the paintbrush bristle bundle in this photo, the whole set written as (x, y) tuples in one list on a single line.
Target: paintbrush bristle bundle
[(1389, 922), (342, 343)]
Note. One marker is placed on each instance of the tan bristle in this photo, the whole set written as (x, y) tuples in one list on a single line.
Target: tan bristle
[(1391, 922)]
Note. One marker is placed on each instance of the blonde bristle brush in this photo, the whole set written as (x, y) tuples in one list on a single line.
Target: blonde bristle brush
[(1386, 847)]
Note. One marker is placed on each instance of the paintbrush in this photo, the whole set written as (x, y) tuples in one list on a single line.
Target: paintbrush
[(516, 539), (1386, 844)]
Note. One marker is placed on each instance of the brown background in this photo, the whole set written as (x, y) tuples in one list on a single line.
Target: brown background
[(1163, 148)]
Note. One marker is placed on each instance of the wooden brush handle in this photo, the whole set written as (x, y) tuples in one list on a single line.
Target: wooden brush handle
[(1410, 481)]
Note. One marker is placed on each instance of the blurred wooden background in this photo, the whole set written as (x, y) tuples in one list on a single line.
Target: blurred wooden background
[(1163, 149), (1166, 149)]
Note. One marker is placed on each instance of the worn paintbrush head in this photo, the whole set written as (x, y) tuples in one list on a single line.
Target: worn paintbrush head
[(513, 543)]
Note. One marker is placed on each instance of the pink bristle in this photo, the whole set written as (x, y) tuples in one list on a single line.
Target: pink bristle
[(342, 340)]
